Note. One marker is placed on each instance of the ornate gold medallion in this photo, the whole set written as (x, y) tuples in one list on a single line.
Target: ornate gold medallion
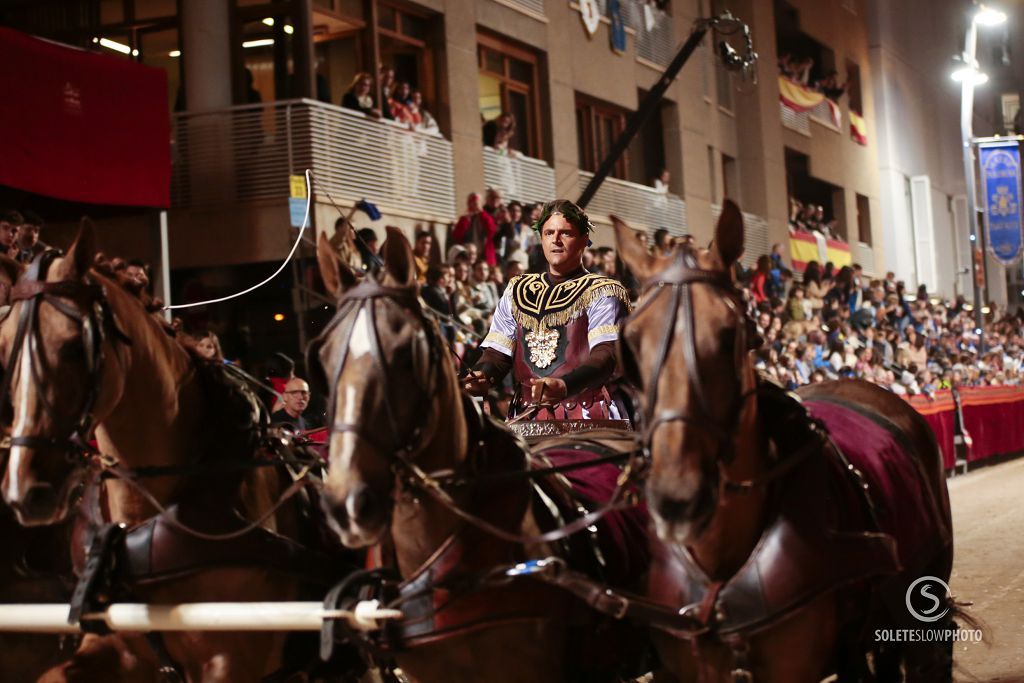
[(542, 344)]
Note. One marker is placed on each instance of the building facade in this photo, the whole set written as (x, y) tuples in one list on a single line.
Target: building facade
[(254, 89)]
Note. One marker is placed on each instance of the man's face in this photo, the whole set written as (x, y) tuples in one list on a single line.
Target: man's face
[(563, 244), (423, 245), (28, 235), (481, 271), (137, 275), (473, 203), (515, 213), (8, 233), (472, 252), (296, 396)]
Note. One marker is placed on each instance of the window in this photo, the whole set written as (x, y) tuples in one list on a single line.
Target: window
[(1011, 113), (863, 220), (853, 88), (597, 126), (403, 39), (723, 77), (712, 175), (509, 83), (730, 179)]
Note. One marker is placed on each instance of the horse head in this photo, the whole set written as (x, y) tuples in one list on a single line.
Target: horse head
[(380, 362), (685, 348), (52, 344)]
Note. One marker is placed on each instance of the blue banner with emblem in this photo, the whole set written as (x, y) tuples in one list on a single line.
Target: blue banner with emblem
[(1001, 190)]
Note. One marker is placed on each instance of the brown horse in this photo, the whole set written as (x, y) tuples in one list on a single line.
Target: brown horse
[(398, 410), (768, 540), (90, 354)]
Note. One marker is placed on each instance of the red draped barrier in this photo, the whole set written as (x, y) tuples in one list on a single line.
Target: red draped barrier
[(82, 126), (993, 417)]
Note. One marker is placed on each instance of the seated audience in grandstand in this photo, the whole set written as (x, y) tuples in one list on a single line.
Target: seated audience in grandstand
[(208, 346), (421, 254), (477, 227), (294, 401), (359, 96), (28, 244), (10, 221)]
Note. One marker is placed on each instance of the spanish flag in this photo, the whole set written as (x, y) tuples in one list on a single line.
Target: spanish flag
[(858, 129)]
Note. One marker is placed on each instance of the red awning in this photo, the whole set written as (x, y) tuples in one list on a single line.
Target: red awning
[(81, 126)]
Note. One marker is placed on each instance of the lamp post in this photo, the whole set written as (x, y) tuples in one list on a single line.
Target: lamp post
[(969, 76)]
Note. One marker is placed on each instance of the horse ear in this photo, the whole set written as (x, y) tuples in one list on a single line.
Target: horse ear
[(728, 244), (632, 250), (82, 254), (399, 266), (337, 276)]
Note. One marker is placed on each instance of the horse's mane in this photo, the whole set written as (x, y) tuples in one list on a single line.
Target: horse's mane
[(232, 414)]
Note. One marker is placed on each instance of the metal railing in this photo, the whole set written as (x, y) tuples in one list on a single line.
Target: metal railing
[(656, 45), (518, 177), (823, 114), (638, 204), (798, 121), (755, 235), (532, 6), (248, 153)]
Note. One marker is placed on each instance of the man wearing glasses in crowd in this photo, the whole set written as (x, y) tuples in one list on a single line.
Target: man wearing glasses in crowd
[(295, 399)]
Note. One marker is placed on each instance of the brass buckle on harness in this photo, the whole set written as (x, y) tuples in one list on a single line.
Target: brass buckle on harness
[(621, 604)]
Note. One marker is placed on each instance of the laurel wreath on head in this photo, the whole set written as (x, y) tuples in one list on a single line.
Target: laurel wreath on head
[(572, 213)]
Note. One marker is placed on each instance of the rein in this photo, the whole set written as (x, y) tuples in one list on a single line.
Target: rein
[(96, 322), (437, 485), (677, 280)]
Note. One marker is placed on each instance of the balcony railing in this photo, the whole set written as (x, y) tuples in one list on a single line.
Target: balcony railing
[(797, 121), (518, 177), (824, 115), (865, 256), (639, 205), (248, 153), (531, 6), (656, 45), (755, 235)]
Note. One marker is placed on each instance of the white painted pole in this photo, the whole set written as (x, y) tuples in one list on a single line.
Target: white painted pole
[(165, 265), (199, 616)]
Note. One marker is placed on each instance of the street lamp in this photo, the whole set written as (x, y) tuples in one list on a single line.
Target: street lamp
[(969, 76)]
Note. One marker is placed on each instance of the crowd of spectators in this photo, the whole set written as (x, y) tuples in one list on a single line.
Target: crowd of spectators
[(810, 218), (839, 323), (798, 69), (400, 102), (826, 323), (19, 235)]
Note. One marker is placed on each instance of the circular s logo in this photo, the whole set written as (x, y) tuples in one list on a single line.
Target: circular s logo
[(926, 597)]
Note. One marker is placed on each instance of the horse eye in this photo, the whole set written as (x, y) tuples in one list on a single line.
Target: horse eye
[(72, 351)]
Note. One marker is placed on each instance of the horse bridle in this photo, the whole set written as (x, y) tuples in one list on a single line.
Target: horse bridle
[(677, 280), (95, 321), (355, 301)]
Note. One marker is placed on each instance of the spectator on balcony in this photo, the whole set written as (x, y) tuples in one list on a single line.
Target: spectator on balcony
[(398, 105), (802, 70), (786, 64), (421, 254), (426, 123), (661, 182), (387, 86), (358, 96), (477, 227), (829, 86), (498, 132)]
